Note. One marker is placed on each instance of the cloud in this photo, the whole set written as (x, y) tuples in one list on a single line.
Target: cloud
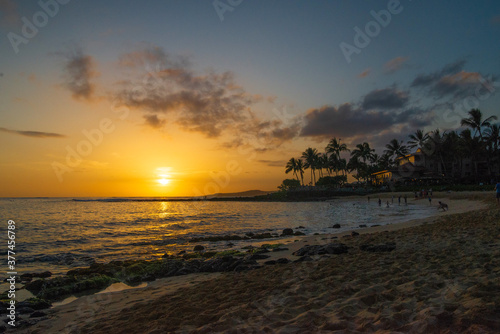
[(79, 71), (365, 73), (395, 64), (209, 102), (154, 121), (35, 134), (459, 84), (387, 98), (9, 14), (427, 80), (495, 20), (273, 163), (349, 121)]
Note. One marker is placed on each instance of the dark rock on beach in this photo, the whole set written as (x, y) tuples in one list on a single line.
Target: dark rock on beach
[(336, 226), (298, 233), (38, 314), (331, 248), (287, 231), (387, 247), (198, 248), (354, 234)]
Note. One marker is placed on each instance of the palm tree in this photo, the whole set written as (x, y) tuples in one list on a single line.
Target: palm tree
[(363, 151), (475, 121), (418, 139), (291, 166), (310, 156), (435, 147), (300, 169), (396, 148), (335, 147)]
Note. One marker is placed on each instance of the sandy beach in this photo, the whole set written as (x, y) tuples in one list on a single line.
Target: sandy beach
[(442, 277)]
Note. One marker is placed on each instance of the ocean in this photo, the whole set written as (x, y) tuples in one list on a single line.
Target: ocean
[(58, 234)]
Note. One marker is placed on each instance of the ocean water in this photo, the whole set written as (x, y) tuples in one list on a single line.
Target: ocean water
[(57, 234)]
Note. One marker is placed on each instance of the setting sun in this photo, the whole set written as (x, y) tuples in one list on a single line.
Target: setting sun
[(163, 182)]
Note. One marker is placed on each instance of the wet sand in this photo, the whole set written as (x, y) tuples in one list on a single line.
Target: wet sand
[(443, 277)]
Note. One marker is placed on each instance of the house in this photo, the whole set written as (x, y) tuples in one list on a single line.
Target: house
[(411, 168)]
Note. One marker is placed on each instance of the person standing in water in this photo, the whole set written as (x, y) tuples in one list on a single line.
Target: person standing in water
[(406, 200), (379, 202)]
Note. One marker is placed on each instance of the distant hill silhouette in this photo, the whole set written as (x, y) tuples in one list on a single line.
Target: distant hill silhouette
[(248, 193)]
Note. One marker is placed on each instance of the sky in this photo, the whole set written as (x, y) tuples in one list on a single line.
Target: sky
[(184, 97)]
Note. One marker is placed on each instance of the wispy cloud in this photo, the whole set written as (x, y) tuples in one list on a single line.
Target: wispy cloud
[(9, 15), (395, 64), (495, 20), (365, 73), (79, 72), (426, 80), (35, 134)]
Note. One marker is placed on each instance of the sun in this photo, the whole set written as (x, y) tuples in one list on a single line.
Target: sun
[(164, 176), (163, 181)]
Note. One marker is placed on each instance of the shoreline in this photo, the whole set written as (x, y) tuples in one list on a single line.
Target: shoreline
[(124, 299)]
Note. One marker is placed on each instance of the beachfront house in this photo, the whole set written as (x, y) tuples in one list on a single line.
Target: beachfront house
[(411, 168)]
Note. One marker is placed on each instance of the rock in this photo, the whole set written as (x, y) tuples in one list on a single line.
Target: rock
[(331, 248), (362, 226), (198, 248), (300, 227), (45, 274), (336, 226), (181, 252), (270, 262), (230, 244), (354, 234), (282, 260), (250, 234), (38, 314), (387, 247), (25, 310), (280, 249), (298, 233), (258, 257), (287, 231), (304, 259), (34, 303)]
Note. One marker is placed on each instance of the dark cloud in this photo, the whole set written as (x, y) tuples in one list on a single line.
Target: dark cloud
[(349, 121), (79, 71), (153, 121), (207, 102), (387, 98), (425, 80), (273, 163), (35, 134)]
